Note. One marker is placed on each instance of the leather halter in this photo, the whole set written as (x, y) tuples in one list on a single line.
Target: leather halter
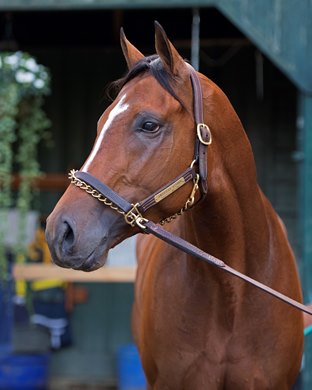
[(132, 212)]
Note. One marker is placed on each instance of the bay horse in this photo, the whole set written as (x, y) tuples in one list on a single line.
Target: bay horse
[(196, 328)]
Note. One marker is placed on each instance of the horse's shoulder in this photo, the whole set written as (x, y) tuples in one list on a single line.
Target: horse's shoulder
[(272, 217)]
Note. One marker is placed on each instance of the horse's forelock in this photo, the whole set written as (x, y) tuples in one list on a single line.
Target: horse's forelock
[(150, 64)]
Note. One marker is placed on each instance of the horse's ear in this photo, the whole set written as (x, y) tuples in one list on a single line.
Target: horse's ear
[(131, 53), (167, 52)]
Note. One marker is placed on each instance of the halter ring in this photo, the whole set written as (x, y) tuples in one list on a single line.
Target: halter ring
[(200, 127)]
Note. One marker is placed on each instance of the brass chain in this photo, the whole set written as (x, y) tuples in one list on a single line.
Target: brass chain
[(188, 204), (90, 190)]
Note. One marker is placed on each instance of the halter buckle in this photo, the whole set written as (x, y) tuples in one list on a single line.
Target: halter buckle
[(200, 127), (134, 217)]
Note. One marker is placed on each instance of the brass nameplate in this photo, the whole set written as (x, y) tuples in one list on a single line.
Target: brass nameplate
[(169, 190)]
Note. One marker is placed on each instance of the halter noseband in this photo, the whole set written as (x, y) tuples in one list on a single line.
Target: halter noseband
[(133, 212)]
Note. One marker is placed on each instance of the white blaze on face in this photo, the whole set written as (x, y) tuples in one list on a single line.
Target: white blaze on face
[(117, 110)]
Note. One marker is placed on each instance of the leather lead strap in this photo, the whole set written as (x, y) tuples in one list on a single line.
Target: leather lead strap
[(186, 247)]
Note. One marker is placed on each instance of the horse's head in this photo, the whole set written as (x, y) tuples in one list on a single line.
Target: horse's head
[(145, 138)]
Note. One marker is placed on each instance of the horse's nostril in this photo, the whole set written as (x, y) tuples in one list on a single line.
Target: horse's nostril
[(68, 238)]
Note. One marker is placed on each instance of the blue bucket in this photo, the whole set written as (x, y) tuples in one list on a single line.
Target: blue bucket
[(130, 372), (6, 310), (24, 372)]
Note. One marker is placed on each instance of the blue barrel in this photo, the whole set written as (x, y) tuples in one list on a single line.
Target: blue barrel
[(130, 372), (24, 372)]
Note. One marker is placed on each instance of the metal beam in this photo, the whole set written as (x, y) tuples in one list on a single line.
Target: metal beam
[(31, 5)]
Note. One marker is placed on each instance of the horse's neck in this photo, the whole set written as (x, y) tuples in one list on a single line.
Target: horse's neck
[(228, 225)]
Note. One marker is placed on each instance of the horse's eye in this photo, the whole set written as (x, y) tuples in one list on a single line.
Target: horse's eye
[(150, 127)]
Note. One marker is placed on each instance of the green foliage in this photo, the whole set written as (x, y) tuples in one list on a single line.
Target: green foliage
[(23, 85)]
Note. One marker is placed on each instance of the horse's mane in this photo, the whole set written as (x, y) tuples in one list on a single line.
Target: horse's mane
[(150, 64)]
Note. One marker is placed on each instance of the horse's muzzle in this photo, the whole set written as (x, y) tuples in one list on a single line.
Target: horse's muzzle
[(74, 244)]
